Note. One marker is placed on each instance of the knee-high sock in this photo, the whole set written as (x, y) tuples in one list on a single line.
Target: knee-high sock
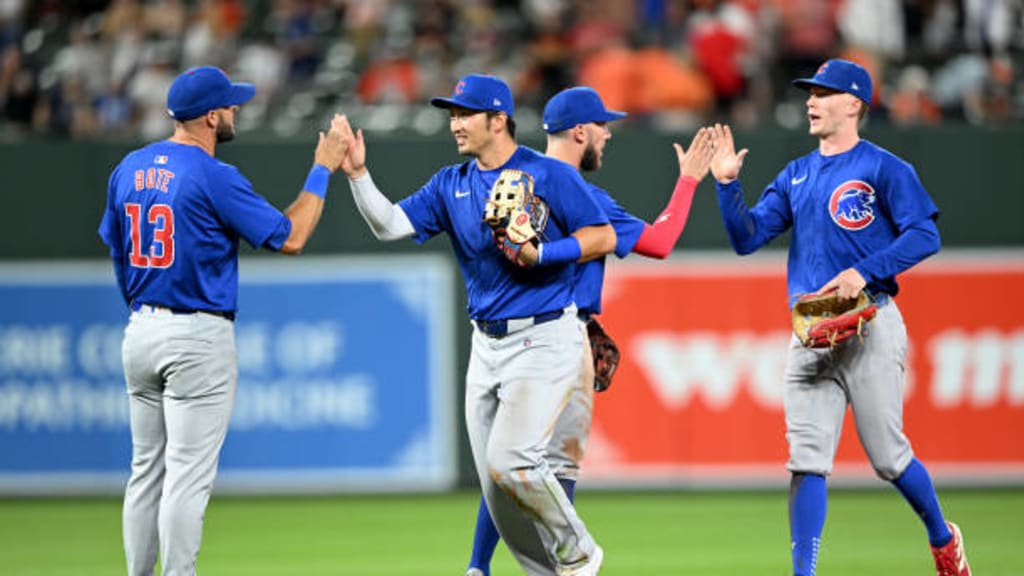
[(485, 540), (916, 486), (808, 502), (569, 486)]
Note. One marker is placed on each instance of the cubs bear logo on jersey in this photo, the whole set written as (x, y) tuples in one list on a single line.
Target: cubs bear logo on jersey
[(850, 205)]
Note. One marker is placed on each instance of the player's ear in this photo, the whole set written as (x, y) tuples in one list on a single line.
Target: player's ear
[(579, 133), (212, 118), (497, 121)]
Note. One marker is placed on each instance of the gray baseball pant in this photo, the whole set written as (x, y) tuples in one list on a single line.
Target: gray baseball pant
[(516, 390), (181, 373), (870, 377)]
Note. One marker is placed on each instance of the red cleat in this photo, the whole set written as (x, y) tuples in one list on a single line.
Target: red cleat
[(950, 560)]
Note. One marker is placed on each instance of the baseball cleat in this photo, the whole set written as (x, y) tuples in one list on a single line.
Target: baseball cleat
[(474, 572), (950, 560), (590, 568)]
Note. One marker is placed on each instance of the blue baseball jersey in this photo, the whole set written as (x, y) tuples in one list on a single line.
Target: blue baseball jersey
[(846, 210), (590, 275), (453, 201), (173, 220)]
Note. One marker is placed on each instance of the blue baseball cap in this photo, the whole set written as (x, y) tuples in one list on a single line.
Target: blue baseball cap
[(198, 90), (841, 75), (577, 105), (479, 92)]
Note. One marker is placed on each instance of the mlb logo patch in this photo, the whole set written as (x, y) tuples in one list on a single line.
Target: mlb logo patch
[(160, 159)]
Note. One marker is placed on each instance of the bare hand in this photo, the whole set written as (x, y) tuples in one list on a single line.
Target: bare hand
[(848, 284), (354, 163), (528, 254), (726, 163), (331, 148), (696, 161)]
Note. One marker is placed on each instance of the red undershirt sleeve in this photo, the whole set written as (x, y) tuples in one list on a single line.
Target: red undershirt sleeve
[(657, 239)]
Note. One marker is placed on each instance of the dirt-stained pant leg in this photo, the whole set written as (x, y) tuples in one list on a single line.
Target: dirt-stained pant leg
[(572, 431), (182, 376), (481, 405), (530, 376)]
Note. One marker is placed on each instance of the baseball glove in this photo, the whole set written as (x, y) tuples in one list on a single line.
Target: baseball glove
[(605, 353), (823, 320), (514, 214)]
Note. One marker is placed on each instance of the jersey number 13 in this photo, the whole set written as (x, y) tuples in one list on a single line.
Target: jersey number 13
[(161, 251)]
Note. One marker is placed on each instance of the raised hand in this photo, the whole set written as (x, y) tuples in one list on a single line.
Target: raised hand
[(331, 148), (354, 163), (696, 161), (726, 162)]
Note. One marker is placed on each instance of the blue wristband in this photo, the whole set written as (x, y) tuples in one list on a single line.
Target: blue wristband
[(316, 182), (560, 252)]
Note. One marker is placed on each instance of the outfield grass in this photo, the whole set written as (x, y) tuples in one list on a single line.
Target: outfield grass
[(644, 534)]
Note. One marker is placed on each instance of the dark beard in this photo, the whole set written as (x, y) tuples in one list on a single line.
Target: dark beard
[(589, 162), (225, 133)]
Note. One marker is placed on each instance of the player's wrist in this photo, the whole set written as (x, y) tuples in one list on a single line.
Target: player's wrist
[(317, 180), (561, 251), (357, 173)]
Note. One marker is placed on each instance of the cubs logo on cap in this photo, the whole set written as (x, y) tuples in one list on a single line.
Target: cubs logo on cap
[(479, 92), (842, 76)]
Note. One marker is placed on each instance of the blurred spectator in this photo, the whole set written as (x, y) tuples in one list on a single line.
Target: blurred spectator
[(989, 24), (69, 111), (211, 38), (392, 78), (720, 36), (83, 58), (548, 68), (958, 83), (98, 68), (911, 102), (296, 33), (875, 26), (808, 37), (21, 98), (114, 111), (148, 90), (992, 104)]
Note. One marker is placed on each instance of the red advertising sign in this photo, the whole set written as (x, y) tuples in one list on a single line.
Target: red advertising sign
[(698, 398)]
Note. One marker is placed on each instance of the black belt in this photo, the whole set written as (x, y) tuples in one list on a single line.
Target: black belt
[(502, 328), (136, 306), (880, 298), (585, 316)]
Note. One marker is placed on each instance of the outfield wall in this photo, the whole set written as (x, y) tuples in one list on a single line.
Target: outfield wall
[(698, 400), (351, 371), (346, 378)]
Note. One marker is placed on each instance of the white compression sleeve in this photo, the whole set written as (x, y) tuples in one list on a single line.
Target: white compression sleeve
[(387, 221)]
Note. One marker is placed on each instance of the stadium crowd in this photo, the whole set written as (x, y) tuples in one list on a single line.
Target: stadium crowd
[(87, 69)]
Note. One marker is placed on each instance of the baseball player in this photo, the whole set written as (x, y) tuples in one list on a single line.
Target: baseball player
[(576, 122), (859, 217), (528, 347), (173, 220)]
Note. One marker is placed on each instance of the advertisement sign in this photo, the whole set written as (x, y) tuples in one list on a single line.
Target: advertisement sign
[(346, 377), (698, 398)]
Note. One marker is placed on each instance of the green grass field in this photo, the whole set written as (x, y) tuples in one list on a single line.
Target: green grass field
[(644, 534)]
